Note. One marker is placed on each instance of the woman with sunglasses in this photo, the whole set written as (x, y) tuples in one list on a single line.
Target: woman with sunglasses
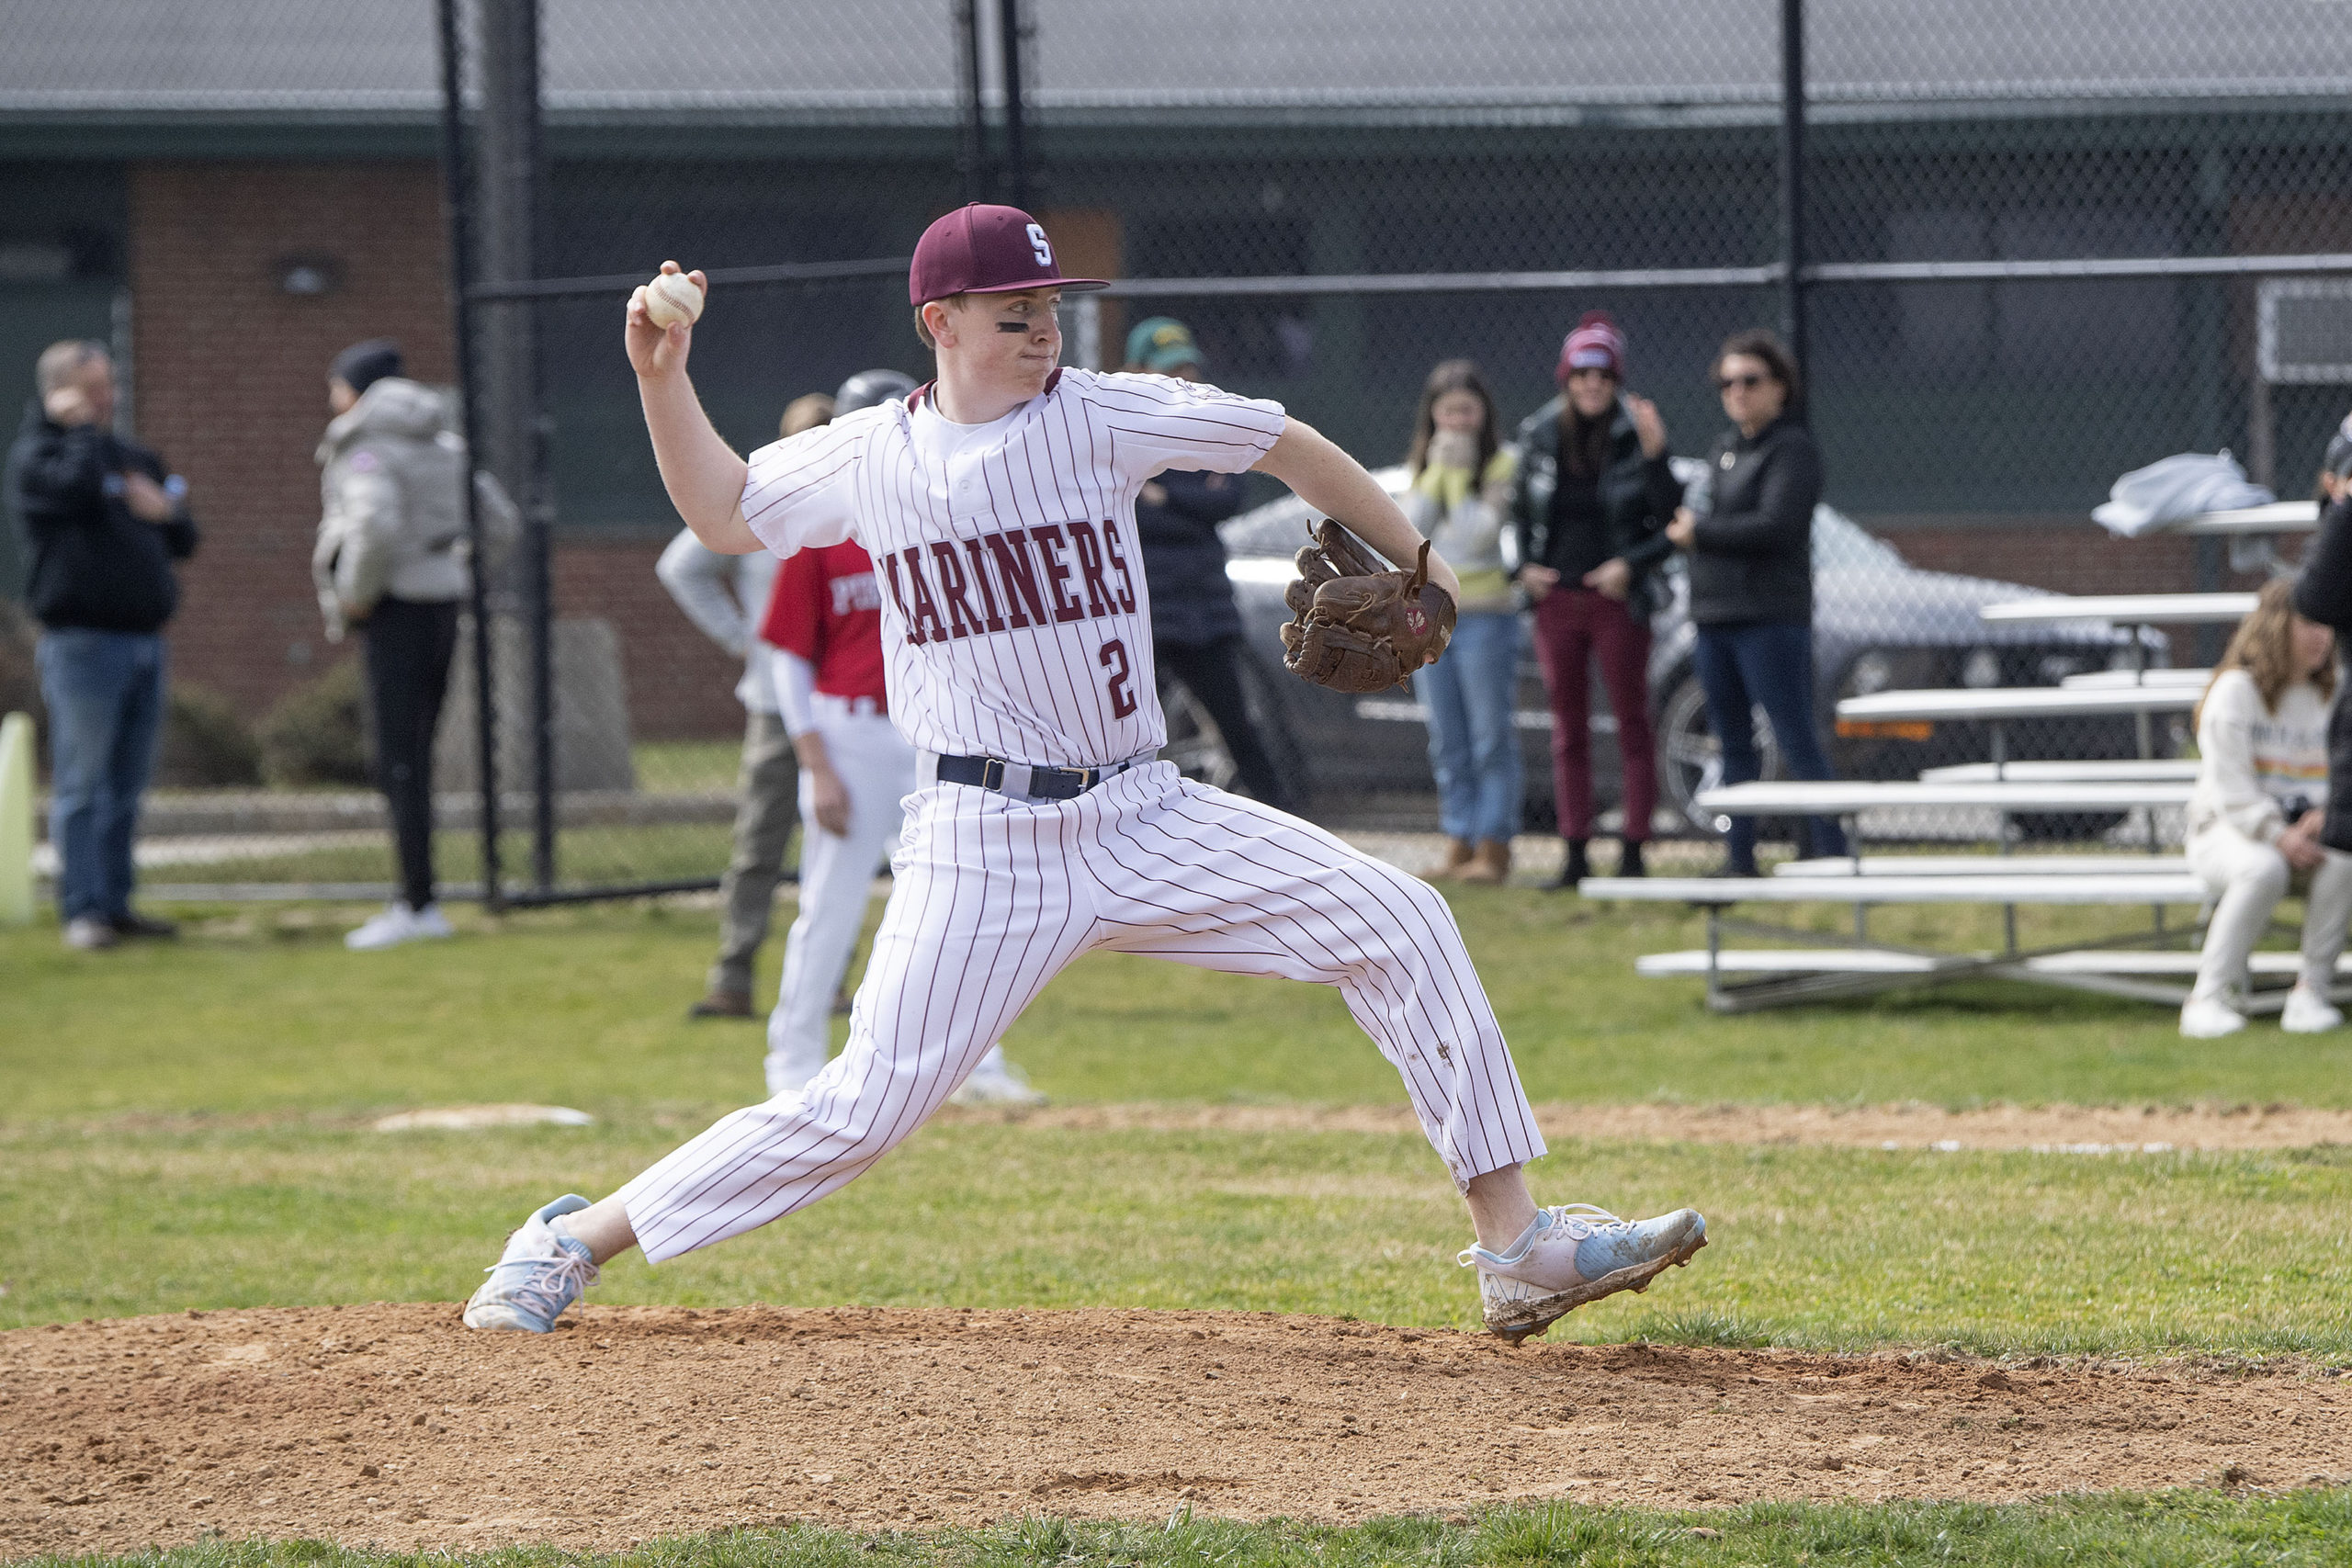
[(1595, 489), (1751, 581)]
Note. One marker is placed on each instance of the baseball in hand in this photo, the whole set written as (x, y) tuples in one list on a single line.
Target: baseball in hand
[(672, 299)]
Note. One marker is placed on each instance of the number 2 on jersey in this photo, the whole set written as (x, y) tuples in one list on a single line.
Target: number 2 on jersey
[(1114, 658)]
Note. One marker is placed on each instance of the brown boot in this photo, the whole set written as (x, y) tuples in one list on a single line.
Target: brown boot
[(722, 1004), (1489, 864), (1458, 854)]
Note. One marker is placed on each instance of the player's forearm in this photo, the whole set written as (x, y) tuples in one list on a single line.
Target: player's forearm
[(808, 753), (702, 473), (1337, 485)]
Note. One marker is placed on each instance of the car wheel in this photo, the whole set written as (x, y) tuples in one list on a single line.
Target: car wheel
[(1690, 759), (1194, 743), (1197, 747)]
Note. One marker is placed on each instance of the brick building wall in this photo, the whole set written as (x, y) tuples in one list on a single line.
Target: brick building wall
[(679, 685), (231, 376), (230, 387)]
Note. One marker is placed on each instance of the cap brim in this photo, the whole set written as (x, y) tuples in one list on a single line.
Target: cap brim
[(1079, 284)]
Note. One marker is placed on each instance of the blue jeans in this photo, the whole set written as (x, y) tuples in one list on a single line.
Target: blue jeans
[(1769, 665), (1474, 748), (105, 694)]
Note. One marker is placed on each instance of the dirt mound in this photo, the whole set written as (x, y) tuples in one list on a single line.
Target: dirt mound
[(2056, 1129), (394, 1425)]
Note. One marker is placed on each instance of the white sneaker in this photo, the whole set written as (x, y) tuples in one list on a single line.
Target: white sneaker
[(537, 1275), (1574, 1254), (2308, 1013), (996, 1083), (2210, 1018), (398, 923), (87, 933)]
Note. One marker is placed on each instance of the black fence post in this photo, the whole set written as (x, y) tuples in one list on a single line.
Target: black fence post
[(1793, 213), (971, 113), (457, 207), (512, 191), (1016, 113)]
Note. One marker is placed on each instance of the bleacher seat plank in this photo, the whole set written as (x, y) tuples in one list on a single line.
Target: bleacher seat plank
[(1988, 865), (1957, 703), (2102, 770), (1877, 961), (2133, 609), (2111, 888), (1806, 798)]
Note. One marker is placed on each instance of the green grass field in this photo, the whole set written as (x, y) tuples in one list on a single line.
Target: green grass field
[(2171, 1531), (187, 1126)]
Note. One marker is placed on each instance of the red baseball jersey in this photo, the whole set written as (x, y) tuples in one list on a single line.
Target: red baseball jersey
[(827, 608)]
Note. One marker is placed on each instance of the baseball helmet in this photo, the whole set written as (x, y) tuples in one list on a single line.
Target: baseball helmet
[(2338, 459), (868, 388)]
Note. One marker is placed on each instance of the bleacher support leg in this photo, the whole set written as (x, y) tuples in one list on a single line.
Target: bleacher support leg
[(1715, 947)]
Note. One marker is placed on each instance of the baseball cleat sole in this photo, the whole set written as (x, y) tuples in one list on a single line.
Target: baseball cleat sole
[(1521, 1320)]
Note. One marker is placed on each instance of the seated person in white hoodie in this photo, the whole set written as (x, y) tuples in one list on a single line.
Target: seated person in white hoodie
[(2254, 816)]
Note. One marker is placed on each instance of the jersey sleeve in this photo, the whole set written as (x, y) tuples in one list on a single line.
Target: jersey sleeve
[(796, 617), (1157, 422), (797, 492)]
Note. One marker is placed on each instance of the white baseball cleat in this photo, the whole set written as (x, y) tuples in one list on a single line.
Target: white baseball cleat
[(2210, 1018), (538, 1275), (996, 1083), (398, 923), (2308, 1013), (1574, 1254)]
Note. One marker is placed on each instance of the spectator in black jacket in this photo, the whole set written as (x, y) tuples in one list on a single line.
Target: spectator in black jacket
[(1751, 579), (106, 520), (2324, 593), (1196, 626), (1595, 489)]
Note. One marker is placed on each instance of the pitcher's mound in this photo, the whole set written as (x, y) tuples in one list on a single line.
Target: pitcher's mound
[(395, 1425)]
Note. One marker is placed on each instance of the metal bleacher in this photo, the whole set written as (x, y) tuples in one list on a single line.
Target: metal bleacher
[(2146, 962)]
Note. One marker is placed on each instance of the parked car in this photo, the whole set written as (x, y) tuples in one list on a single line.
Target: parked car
[(1879, 623)]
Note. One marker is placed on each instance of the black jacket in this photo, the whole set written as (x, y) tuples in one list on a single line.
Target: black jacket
[(1752, 556), (1184, 559), (2324, 593), (94, 564), (1638, 495)]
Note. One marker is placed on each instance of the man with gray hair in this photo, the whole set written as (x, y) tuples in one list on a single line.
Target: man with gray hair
[(105, 520)]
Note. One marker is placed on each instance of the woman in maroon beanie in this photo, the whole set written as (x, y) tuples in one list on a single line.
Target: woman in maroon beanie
[(1595, 492)]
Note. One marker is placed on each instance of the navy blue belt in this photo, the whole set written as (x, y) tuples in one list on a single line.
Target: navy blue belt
[(1022, 781)]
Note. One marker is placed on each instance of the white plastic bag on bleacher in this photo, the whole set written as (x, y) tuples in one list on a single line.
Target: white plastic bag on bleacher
[(2175, 489)]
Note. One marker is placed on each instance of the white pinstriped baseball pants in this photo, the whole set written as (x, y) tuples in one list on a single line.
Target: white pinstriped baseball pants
[(994, 897)]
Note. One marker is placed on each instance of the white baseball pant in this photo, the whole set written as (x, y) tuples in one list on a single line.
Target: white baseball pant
[(2249, 878), (994, 895), (877, 768)]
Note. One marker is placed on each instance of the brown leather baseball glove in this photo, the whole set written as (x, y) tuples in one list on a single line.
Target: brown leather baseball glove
[(1358, 625)]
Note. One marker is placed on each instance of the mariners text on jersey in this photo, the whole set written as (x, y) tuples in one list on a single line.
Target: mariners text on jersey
[(1016, 620)]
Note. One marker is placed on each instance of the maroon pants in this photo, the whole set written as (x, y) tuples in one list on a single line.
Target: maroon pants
[(1573, 625)]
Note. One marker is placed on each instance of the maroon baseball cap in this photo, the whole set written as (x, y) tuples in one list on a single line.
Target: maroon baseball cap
[(981, 249)]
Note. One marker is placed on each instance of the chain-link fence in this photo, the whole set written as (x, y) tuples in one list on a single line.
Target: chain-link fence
[(2032, 247)]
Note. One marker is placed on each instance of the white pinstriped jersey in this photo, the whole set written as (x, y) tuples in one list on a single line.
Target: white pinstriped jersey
[(1015, 619)]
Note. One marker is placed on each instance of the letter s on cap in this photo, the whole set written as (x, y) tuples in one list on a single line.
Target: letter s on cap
[(1038, 247)]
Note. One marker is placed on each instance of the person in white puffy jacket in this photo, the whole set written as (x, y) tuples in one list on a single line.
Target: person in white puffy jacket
[(2255, 814), (392, 559)]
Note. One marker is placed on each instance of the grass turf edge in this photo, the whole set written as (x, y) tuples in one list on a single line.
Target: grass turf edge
[(2311, 1524)]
